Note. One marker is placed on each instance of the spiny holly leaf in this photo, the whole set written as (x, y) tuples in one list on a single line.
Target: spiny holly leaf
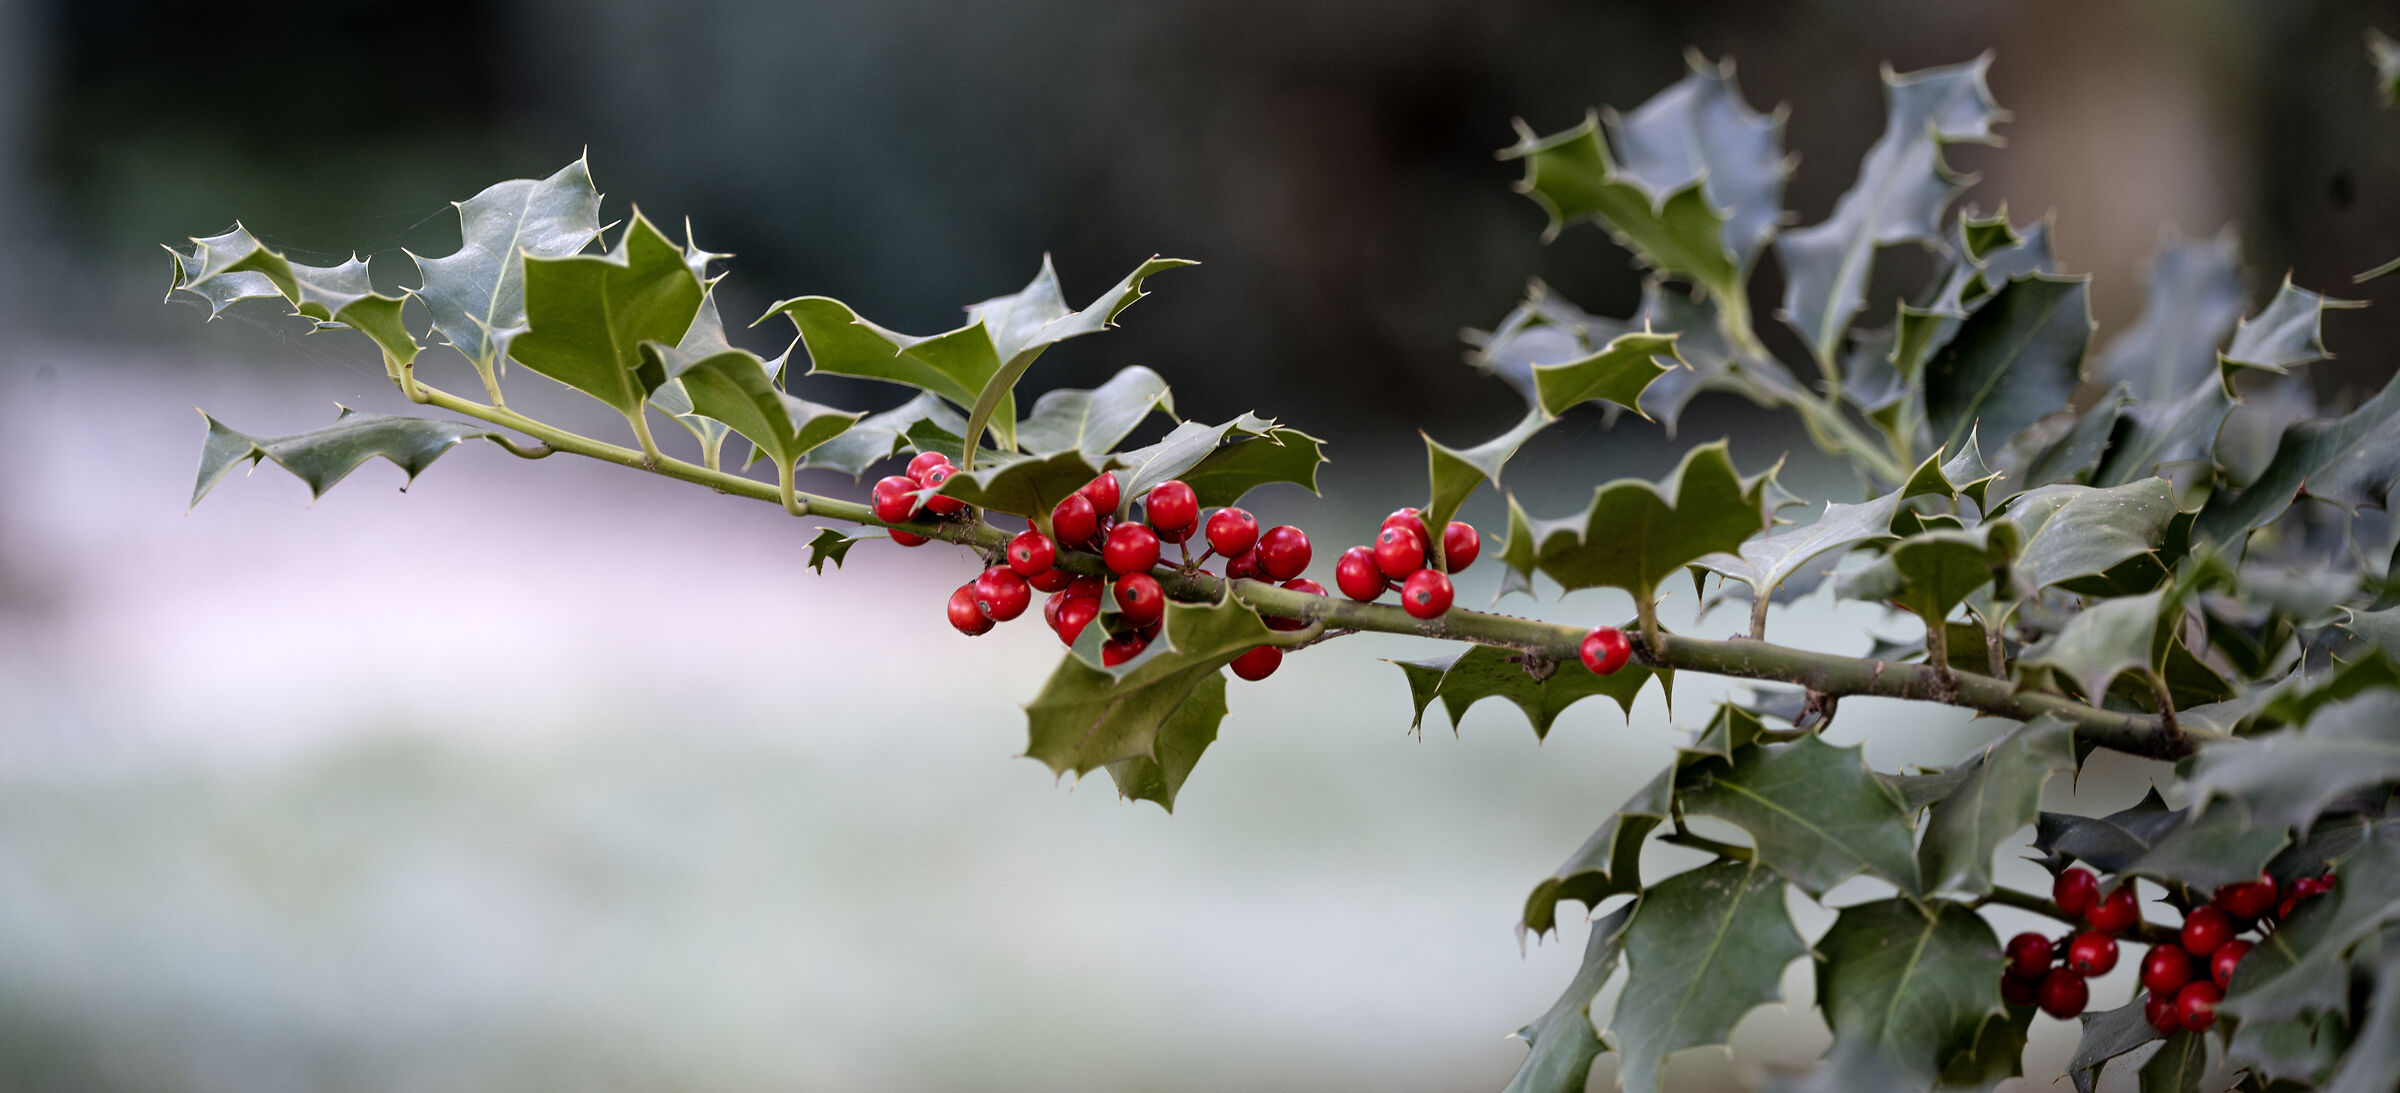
[(588, 315), (1998, 1053), (1766, 563), (1814, 811), (1563, 1041), (226, 268), (1704, 948), (1985, 255), (705, 337), (2068, 453), (2377, 1056), (1187, 733), (833, 546), (1636, 534), (2287, 334), (1087, 717), (2072, 532), (325, 456), (2106, 1035), (2287, 778), (1700, 129), (1571, 176), (1020, 326), (2195, 300), (736, 387), (2150, 435), (2017, 358), (477, 293), (1223, 462), (881, 436), (1029, 486), (2000, 794), (2107, 843), (1093, 421), (2178, 1065), (1545, 329), (1488, 671), (2380, 629), (1617, 374), (1455, 473), (1901, 190), (2302, 967), (1914, 983), (2350, 462), (2209, 850), (2101, 641), (1931, 572), (2303, 1051)]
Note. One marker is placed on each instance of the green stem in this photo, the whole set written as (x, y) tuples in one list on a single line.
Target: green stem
[(491, 382), (784, 473)]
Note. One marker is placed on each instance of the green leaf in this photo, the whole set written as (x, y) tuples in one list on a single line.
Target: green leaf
[(2210, 850), (1280, 454), (2000, 794), (2380, 629), (2101, 641), (325, 456), (1022, 325), (2107, 843), (1985, 254), (2178, 1065), (881, 436), (477, 293), (1932, 572), (1814, 812), (2150, 435), (2017, 358), (1618, 373), (1563, 1041), (2303, 1051), (1455, 473), (1093, 421), (1489, 671), (2107, 1035), (706, 336), (2195, 298), (1029, 486), (2352, 461), (2286, 779), (223, 269), (1764, 564), (2302, 968), (588, 316), (832, 546), (1998, 1053), (1187, 733), (1699, 129), (2288, 334), (736, 387), (1571, 176), (2371, 1065), (1704, 948), (1913, 983), (1901, 191), (1635, 534), (2072, 531), (1545, 329), (1087, 717)]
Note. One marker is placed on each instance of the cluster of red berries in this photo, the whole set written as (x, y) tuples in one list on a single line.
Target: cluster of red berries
[(1399, 559), (2185, 980)]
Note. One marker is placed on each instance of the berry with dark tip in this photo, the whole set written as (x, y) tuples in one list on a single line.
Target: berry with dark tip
[(1131, 548), (1172, 510), (1102, 492), (1073, 616), (2064, 993), (1001, 594), (1426, 593), (2158, 1008), (2206, 930), (939, 504), (2075, 891), (2222, 962), (1605, 650), (1409, 518), (2092, 953), (2115, 912), (894, 498), (2249, 900), (1259, 663), (1358, 576), (2029, 956), (1032, 554), (1398, 551), (1283, 552), (926, 461), (968, 618), (2166, 969), (1075, 522), (1244, 565), (2196, 1004), (1460, 545), (1140, 599), (1118, 650), (1051, 580), (1232, 531)]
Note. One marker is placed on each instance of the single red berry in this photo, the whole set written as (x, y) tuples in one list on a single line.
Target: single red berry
[(938, 504), (2092, 954), (1118, 650), (1357, 574), (964, 615), (1172, 506), (1089, 588), (2116, 912), (2019, 992), (2158, 1008), (1050, 608), (1232, 531), (2196, 1004), (1102, 492), (1131, 548), (2029, 956), (2064, 993), (1426, 593), (926, 461), (1283, 552), (1032, 554), (1051, 580), (1398, 551), (2222, 962), (1259, 663), (2249, 900), (1460, 545), (2206, 930), (894, 498), (1140, 599), (1074, 522), (1073, 616), (1605, 650), (1410, 519), (2075, 891), (908, 538), (1001, 594), (2166, 969), (1244, 565)]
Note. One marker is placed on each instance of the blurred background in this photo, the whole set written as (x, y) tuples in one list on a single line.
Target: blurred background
[(547, 776)]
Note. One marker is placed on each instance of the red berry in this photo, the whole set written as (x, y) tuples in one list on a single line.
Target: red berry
[(1074, 522), (1050, 608), (2019, 992), (1118, 650), (938, 504), (2158, 1008), (1283, 552), (1032, 554), (1605, 650), (1089, 588), (2206, 930), (1259, 663), (2196, 1004), (2075, 891), (2092, 954), (2249, 900), (1426, 593), (1460, 545), (1131, 548), (1232, 531), (2166, 969), (2116, 912), (908, 538), (1398, 551), (2064, 993), (1102, 492), (1410, 519), (1244, 565), (1001, 594), (1172, 506), (2222, 962), (964, 615), (895, 499), (2029, 956), (1140, 599), (1051, 580), (1073, 615), (926, 461), (1358, 575)]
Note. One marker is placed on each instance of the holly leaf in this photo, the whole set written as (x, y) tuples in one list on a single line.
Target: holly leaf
[(1931, 572), (477, 292), (587, 315), (224, 269), (2286, 779), (1913, 983), (1185, 734), (1635, 534), (2000, 794), (2107, 843), (2178, 1064), (2350, 461), (2303, 1051), (1985, 254), (1617, 374), (881, 436), (1563, 1041), (1700, 130), (1704, 948), (1028, 486), (2100, 642), (735, 387), (832, 546), (1087, 717), (1901, 191), (1544, 329), (1093, 421), (2150, 435), (322, 457), (2376, 1057), (2288, 334), (2072, 532), (1455, 473), (1572, 176), (1489, 671), (2302, 968), (2212, 849), (2016, 359), (2195, 298), (1764, 564), (706, 336), (2106, 1035), (1223, 462), (1815, 813)]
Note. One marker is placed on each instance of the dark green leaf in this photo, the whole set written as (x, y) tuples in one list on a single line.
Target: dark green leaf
[(1704, 948), (588, 315), (736, 387), (2302, 1051), (832, 546), (2302, 968), (1636, 534), (2081, 531), (2014, 360), (2215, 848), (1187, 733), (1700, 129), (1093, 421), (1545, 329), (2178, 1065), (1913, 983), (1571, 175), (2195, 298), (1763, 564), (1985, 254), (1029, 487), (1618, 373), (2100, 641), (2000, 794), (2286, 778), (1021, 325), (2151, 435), (705, 337), (1488, 671), (225, 268), (1563, 1041), (2107, 843), (2374, 1062), (477, 293), (2287, 334), (1455, 473), (2350, 461), (1087, 717), (2106, 1035), (1997, 1055), (878, 437), (325, 456), (1932, 572), (1815, 813)]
